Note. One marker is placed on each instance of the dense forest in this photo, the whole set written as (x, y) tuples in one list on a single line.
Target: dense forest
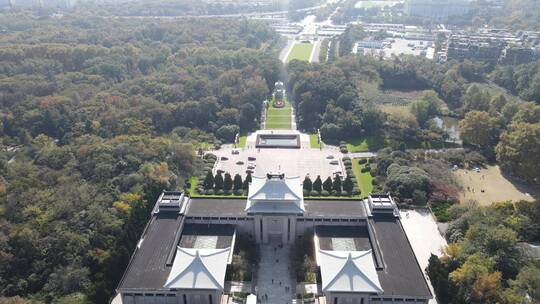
[(98, 117), (485, 261), (338, 99), (190, 7), (498, 108)]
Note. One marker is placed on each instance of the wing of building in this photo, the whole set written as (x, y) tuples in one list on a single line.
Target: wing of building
[(185, 252)]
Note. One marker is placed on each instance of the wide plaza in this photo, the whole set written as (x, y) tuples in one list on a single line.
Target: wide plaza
[(303, 161)]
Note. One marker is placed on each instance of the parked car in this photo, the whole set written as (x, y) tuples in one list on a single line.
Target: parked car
[(239, 162), (234, 152), (251, 158), (224, 158), (334, 162)]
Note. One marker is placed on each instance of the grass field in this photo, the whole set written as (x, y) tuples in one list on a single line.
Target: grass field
[(403, 111), (279, 118), (300, 51), (496, 187), (363, 144), (313, 142), (364, 178)]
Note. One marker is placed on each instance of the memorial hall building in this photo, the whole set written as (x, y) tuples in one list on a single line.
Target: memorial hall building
[(362, 252)]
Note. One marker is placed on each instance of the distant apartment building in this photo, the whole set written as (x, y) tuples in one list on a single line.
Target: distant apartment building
[(7, 4), (437, 8), (492, 45)]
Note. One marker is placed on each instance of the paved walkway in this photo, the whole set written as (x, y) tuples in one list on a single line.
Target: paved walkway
[(273, 277), (424, 237), (362, 154)]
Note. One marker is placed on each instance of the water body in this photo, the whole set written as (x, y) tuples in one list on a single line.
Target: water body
[(451, 126)]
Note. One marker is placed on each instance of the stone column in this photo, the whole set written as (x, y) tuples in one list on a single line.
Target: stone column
[(284, 232), (257, 224), (292, 218), (265, 229)]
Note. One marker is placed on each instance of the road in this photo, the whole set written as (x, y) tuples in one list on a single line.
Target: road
[(239, 15)]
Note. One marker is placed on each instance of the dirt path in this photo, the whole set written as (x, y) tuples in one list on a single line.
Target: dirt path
[(495, 186)]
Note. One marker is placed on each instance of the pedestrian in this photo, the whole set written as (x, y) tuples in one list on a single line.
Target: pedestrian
[(272, 281), (279, 283)]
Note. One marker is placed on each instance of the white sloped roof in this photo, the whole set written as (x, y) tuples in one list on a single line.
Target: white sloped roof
[(275, 195), (348, 271), (198, 269)]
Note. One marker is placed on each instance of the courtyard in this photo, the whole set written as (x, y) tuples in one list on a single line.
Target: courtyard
[(274, 282)]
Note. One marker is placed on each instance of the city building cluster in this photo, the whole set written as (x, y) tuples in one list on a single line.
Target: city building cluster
[(493, 45)]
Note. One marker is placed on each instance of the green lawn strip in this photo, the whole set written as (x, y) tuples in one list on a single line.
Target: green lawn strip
[(279, 118), (313, 142), (300, 51), (279, 126), (242, 141), (363, 178), (193, 185)]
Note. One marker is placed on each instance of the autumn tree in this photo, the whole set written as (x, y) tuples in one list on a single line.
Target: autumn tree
[(479, 129), (518, 151)]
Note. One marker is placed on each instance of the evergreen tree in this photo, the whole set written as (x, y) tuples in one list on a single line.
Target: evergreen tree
[(247, 181), (227, 182), (317, 184), (208, 181), (327, 185), (348, 184), (337, 184), (218, 181), (308, 185), (438, 275), (237, 183)]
